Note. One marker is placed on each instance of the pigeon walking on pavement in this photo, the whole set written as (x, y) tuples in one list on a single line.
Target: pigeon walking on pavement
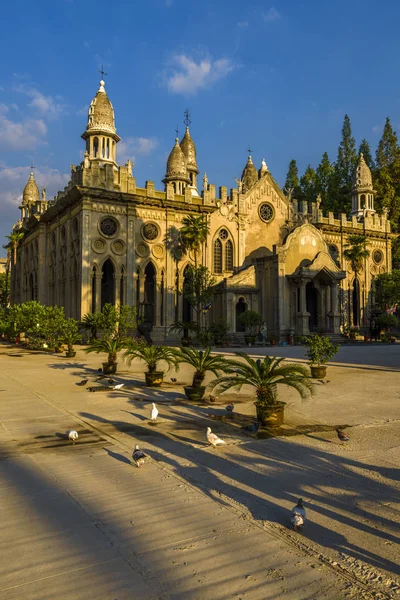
[(230, 408), (174, 379), (213, 439), (138, 456), (154, 413), (83, 382), (253, 428), (119, 386), (298, 516), (72, 436), (342, 436)]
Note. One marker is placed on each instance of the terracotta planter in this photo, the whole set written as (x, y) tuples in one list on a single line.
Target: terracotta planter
[(154, 379), (318, 371), (109, 368), (195, 393), (70, 354), (270, 415), (59, 349)]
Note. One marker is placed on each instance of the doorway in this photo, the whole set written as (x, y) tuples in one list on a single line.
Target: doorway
[(312, 305), (149, 293), (107, 283)]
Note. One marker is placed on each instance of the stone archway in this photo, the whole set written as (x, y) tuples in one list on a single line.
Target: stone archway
[(187, 312), (241, 307), (108, 283), (149, 293), (312, 305)]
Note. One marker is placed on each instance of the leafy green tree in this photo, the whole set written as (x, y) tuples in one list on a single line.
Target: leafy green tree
[(292, 183), (4, 288), (355, 252), (309, 185), (387, 175), (346, 162), (396, 253), (198, 289), (325, 173), (387, 289), (365, 150), (194, 234)]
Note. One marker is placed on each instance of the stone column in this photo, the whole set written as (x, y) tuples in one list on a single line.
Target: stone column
[(117, 280), (99, 277), (130, 288), (302, 320), (157, 301), (42, 279), (335, 313)]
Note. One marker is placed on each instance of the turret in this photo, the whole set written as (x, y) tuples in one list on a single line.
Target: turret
[(30, 197), (177, 173), (249, 175), (363, 193)]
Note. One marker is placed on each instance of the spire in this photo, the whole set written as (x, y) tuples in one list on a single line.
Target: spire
[(31, 191), (363, 194), (176, 172), (249, 175), (189, 150)]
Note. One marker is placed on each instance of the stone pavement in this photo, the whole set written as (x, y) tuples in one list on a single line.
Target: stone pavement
[(194, 523)]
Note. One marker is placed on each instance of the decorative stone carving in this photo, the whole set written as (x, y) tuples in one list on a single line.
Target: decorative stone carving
[(158, 251), (266, 212), (142, 250), (98, 246), (118, 247), (109, 226), (150, 231), (377, 256)]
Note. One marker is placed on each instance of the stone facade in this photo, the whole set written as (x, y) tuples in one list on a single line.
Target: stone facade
[(104, 239)]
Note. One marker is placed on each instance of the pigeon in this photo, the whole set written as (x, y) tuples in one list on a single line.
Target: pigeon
[(230, 408), (139, 457), (213, 439), (253, 428), (111, 380), (213, 398), (154, 412), (342, 436), (72, 435), (174, 379), (298, 516), (83, 382), (119, 386), (100, 370)]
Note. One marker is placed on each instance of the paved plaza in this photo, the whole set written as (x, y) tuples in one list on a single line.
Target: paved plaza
[(195, 523)]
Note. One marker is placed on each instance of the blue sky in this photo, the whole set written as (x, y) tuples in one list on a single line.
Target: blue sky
[(276, 75)]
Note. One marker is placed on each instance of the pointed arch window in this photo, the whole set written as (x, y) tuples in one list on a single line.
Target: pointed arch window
[(228, 256), (217, 256)]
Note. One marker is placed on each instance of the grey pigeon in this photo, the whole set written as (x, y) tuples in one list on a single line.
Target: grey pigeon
[(111, 380), (298, 516), (342, 436), (230, 408), (83, 382), (173, 379), (138, 456), (253, 428)]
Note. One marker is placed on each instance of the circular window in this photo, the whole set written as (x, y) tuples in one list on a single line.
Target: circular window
[(266, 212), (150, 231), (223, 234), (377, 256), (109, 226)]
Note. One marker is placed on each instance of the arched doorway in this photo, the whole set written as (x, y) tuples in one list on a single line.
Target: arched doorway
[(356, 302), (149, 293), (107, 283), (312, 305), (241, 307), (187, 313)]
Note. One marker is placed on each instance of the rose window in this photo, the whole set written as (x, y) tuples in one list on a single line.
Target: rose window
[(266, 212), (109, 226), (377, 256), (150, 231)]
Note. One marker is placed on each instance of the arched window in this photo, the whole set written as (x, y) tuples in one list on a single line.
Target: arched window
[(122, 287), (108, 283), (217, 256), (362, 201), (241, 307), (137, 287), (95, 146), (149, 293), (229, 256)]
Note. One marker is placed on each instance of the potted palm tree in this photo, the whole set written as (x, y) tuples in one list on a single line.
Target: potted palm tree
[(110, 345), (320, 350), (250, 319), (70, 336), (152, 356), (202, 361), (185, 328), (264, 376)]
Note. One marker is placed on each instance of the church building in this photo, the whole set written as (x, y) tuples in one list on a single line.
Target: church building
[(104, 239)]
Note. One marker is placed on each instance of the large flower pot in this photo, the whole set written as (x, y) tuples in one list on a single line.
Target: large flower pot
[(318, 371), (186, 341), (270, 415), (109, 368), (154, 379), (250, 339), (58, 349), (195, 393), (70, 354)]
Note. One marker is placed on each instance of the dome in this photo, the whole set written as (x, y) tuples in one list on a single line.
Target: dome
[(249, 175), (176, 163), (101, 114), (189, 150), (362, 177), (31, 192)]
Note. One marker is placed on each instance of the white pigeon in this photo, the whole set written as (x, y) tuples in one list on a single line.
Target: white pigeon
[(72, 435), (119, 386), (213, 439), (298, 516), (154, 412), (138, 456)]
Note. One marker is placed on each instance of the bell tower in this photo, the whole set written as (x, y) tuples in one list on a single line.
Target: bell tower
[(363, 194)]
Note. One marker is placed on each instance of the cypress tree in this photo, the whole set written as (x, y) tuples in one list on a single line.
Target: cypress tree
[(309, 185), (346, 163), (365, 149), (387, 175), (292, 180), (325, 171)]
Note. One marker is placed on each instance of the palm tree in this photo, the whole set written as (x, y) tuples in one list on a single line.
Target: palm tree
[(151, 355), (356, 252), (194, 233), (111, 346), (202, 361), (15, 237), (264, 376)]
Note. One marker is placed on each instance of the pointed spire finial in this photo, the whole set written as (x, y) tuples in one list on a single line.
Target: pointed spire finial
[(187, 120)]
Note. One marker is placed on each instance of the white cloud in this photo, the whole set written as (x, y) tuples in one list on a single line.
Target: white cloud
[(23, 135), (271, 15), (188, 77), (131, 147), (242, 24), (47, 106)]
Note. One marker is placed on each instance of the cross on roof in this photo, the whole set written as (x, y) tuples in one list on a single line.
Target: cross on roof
[(32, 167), (177, 131), (187, 120), (249, 150), (102, 72)]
